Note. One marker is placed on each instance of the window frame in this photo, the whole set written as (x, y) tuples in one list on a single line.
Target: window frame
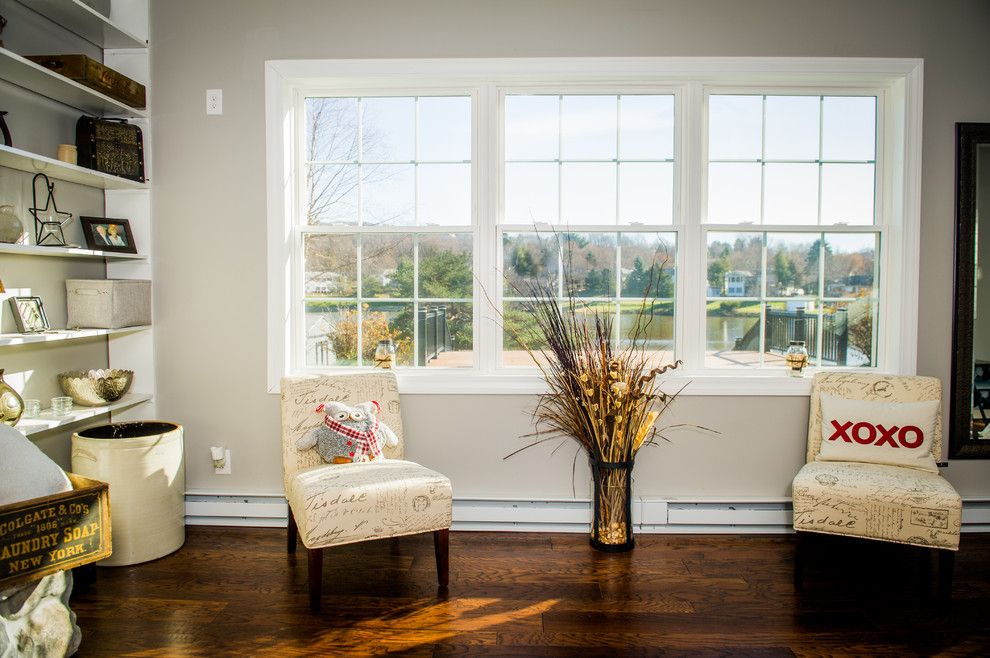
[(897, 189)]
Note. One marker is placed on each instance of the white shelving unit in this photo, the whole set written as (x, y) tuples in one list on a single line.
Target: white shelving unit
[(59, 335), (35, 77), (66, 252), (33, 163), (126, 51), (85, 21), (47, 422)]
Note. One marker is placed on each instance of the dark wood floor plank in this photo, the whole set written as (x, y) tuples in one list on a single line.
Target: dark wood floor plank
[(235, 592)]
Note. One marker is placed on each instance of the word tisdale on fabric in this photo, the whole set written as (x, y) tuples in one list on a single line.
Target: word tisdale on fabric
[(893, 433)]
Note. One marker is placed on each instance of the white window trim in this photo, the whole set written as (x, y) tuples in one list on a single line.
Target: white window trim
[(899, 175)]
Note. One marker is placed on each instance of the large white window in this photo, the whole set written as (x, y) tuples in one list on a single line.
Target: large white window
[(420, 201)]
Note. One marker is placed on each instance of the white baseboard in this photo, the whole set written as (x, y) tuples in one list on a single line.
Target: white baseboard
[(650, 515)]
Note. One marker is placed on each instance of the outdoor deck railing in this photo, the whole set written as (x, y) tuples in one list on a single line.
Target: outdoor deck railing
[(781, 327)]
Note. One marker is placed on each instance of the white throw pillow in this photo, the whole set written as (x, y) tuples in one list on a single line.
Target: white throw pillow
[(897, 433), (25, 471)]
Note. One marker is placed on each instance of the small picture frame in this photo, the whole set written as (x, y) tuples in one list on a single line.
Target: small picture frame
[(106, 234), (29, 314)]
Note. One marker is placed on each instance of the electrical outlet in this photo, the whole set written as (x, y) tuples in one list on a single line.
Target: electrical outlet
[(225, 469), (214, 101)]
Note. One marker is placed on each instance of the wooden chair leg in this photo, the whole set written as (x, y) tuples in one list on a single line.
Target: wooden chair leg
[(800, 558), (946, 566), (441, 545), (315, 577), (292, 533)]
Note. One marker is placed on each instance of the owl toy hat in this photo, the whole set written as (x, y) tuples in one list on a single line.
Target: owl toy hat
[(349, 434)]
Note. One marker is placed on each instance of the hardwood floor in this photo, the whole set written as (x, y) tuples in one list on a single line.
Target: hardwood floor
[(236, 592)]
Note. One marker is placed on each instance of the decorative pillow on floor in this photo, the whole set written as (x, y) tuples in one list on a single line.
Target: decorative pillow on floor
[(349, 434), (896, 433)]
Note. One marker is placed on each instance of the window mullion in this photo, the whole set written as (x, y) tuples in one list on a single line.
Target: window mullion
[(486, 171), (691, 258)]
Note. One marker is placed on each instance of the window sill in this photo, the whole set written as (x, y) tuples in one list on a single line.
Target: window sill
[(453, 382)]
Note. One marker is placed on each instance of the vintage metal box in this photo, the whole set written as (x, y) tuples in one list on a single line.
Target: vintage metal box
[(52, 533), (96, 76), (107, 303), (112, 146)]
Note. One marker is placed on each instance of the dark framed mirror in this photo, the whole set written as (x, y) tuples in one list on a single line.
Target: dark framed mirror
[(969, 418)]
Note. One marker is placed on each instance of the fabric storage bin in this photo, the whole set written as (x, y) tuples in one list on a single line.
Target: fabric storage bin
[(107, 303)]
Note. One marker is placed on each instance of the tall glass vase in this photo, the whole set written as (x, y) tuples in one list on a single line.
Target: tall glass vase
[(611, 524)]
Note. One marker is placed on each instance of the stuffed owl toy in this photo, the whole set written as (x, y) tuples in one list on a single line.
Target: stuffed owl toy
[(349, 434)]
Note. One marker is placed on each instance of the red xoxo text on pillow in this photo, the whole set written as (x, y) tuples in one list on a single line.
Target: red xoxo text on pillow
[(895, 433), (866, 433)]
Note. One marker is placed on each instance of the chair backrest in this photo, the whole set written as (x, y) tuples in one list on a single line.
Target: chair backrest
[(302, 395), (877, 388)]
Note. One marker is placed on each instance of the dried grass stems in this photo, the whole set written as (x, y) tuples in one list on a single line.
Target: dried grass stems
[(607, 398)]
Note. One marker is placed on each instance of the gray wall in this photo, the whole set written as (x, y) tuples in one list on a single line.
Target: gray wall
[(210, 183)]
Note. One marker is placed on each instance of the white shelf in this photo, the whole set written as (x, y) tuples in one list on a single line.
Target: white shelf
[(66, 252), (33, 163), (35, 77), (63, 334), (85, 21), (46, 421)]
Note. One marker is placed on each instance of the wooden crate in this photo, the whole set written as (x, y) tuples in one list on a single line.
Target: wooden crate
[(52, 533), (96, 76)]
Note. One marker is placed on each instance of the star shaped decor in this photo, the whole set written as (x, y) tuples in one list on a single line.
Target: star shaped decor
[(48, 227)]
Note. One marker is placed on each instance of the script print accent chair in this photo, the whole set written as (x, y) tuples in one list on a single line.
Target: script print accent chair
[(875, 501), (337, 504)]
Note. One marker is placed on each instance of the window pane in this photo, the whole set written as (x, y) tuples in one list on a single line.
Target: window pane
[(445, 267), (331, 334), (388, 195), (532, 125), (783, 322), (446, 335), (531, 193), (332, 129), (330, 265), (732, 331), (387, 321), (528, 259), (387, 266), (444, 128), (848, 336), (388, 129), (648, 265), (734, 264), (849, 127), (589, 264), (646, 193), (588, 129), (519, 332), (792, 264), (646, 127), (587, 192), (850, 265), (735, 127), (444, 194), (790, 194), (847, 194), (650, 327), (332, 194), (734, 193), (792, 128)]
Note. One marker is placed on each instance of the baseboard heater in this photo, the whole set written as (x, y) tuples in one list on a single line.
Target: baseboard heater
[(650, 515)]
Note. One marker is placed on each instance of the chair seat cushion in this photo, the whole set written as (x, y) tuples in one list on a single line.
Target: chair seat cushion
[(877, 501), (346, 503)]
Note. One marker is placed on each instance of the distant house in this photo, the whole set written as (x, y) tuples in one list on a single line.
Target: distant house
[(738, 283), (854, 285), (323, 283)]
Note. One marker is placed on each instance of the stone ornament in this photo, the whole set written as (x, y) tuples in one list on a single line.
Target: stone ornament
[(36, 621)]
